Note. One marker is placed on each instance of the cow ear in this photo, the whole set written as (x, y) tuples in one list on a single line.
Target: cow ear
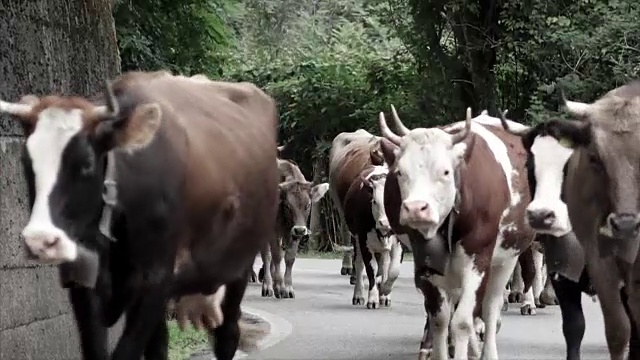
[(134, 131), (458, 153), (389, 151), (575, 133), (318, 191), (377, 158)]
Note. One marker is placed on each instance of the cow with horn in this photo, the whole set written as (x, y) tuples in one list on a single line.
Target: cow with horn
[(458, 193)]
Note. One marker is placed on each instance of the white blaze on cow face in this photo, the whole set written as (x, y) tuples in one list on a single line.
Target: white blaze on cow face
[(54, 130), (376, 179), (424, 169), (549, 157)]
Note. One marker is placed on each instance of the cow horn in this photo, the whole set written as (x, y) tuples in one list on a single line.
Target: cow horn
[(396, 119), (112, 108), (456, 138), (505, 125), (281, 147), (386, 132), (575, 108), (17, 109)]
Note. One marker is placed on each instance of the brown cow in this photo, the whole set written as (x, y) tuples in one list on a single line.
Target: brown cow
[(350, 153), (588, 177), (367, 221), (471, 179), (296, 198), (196, 188)]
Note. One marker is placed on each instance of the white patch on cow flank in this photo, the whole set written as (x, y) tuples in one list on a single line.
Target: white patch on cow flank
[(53, 131), (550, 158), (499, 150)]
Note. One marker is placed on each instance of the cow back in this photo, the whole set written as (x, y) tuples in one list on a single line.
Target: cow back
[(350, 154), (216, 145)]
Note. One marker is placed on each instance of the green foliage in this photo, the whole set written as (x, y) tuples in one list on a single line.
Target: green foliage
[(181, 36)]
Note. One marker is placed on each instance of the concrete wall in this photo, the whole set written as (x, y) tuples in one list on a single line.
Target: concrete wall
[(46, 46)]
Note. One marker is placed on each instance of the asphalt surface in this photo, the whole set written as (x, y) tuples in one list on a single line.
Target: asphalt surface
[(321, 323)]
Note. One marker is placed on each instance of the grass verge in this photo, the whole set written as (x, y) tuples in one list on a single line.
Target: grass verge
[(184, 343)]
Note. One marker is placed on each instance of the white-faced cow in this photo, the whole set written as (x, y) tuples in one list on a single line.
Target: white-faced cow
[(588, 175), (466, 183), (367, 221), (350, 154), (194, 170), (297, 195)]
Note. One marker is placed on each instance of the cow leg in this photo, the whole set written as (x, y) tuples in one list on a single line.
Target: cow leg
[(358, 289), (267, 279), (440, 312), (570, 298), (426, 344), (528, 274), (276, 269), (226, 337), (383, 272), (548, 295), (253, 277), (539, 278), (289, 259), (616, 321), (492, 300), (370, 266), (394, 271), (630, 303), (158, 345), (93, 334), (143, 319), (347, 258), (517, 285)]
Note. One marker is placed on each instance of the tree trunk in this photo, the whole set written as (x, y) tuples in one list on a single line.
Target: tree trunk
[(48, 46)]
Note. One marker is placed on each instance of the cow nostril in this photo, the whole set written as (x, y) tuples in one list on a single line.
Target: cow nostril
[(54, 241), (424, 207), (614, 224), (549, 216)]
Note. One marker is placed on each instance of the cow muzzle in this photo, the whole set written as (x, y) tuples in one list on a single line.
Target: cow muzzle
[(383, 227), (299, 231), (417, 213), (49, 245), (624, 226), (541, 219)]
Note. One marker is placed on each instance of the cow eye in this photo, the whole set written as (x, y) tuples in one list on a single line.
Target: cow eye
[(446, 172), (398, 173)]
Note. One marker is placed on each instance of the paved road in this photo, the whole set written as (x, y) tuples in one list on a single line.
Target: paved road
[(321, 323)]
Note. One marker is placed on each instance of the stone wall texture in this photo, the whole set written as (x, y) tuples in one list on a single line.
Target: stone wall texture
[(47, 46)]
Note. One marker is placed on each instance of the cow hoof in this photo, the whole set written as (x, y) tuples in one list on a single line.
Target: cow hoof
[(528, 309), (343, 271), (540, 305), (358, 301), (352, 280), (289, 293), (516, 297), (372, 305), (385, 302), (505, 306), (279, 292), (254, 277), (424, 354), (548, 299), (267, 292)]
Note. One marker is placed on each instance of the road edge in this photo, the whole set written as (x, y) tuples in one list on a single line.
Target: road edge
[(279, 328)]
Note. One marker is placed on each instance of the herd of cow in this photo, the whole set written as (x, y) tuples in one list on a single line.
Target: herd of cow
[(164, 188)]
